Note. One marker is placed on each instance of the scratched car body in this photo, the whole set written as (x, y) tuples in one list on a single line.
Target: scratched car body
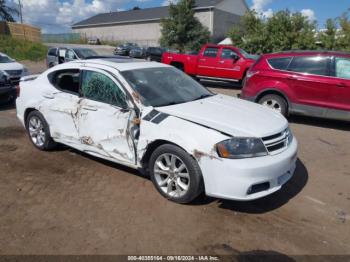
[(153, 117)]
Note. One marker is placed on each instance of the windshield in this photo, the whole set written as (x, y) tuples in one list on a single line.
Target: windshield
[(247, 55), (165, 86), (5, 59), (84, 53)]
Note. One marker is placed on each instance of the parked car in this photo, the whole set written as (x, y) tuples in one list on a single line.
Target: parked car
[(214, 62), (153, 117), (60, 55), (137, 52), (94, 41), (312, 83), (154, 53), (14, 69), (7, 88), (124, 49)]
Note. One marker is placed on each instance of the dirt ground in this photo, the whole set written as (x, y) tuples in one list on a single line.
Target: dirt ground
[(65, 202)]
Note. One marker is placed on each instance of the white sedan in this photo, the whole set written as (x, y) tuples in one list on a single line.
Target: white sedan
[(14, 69), (152, 117)]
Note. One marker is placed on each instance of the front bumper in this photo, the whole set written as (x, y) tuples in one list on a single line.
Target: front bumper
[(246, 179), (7, 93)]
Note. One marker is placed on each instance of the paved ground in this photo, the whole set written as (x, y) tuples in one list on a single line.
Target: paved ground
[(64, 202)]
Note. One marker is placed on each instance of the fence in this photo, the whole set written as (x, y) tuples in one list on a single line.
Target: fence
[(20, 31), (63, 38)]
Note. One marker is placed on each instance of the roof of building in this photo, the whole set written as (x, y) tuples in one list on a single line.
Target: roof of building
[(147, 14)]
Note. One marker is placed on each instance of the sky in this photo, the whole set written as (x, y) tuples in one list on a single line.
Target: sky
[(57, 16)]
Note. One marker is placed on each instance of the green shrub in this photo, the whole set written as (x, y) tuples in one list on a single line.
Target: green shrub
[(22, 49)]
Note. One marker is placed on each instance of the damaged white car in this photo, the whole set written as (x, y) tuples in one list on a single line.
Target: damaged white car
[(153, 117)]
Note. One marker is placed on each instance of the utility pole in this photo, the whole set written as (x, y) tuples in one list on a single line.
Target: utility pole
[(20, 10)]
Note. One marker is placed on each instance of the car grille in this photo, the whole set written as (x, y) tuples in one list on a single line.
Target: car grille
[(14, 72), (276, 143)]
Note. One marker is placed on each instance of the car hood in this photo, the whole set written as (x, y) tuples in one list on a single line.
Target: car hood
[(11, 66), (230, 115)]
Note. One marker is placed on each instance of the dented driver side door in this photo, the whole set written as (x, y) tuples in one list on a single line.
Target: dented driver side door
[(105, 122)]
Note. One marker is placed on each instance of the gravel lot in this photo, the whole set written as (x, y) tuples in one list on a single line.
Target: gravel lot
[(65, 202)]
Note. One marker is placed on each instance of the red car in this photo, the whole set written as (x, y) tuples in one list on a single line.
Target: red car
[(213, 62), (304, 82)]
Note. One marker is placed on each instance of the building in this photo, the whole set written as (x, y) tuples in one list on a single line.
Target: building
[(143, 26)]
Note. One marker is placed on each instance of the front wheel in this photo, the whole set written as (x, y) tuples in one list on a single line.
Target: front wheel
[(275, 102), (175, 174), (39, 132)]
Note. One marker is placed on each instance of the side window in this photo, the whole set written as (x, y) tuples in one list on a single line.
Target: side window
[(316, 65), (52, 52), (211, 52), (70, 54), (342, 67), (66, 80), (279, 63), (228, 53), (99, 87)]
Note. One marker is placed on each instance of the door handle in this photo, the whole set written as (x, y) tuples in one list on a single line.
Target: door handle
[(202, 60), (222, 62), (341, 85), (90, 108)]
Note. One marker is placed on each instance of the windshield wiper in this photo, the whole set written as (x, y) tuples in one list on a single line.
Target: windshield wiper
[(203, 96)]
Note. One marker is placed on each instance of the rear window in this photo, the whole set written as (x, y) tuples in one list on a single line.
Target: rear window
[(211, 52), (342, 67), (316, 65), (279, 63)]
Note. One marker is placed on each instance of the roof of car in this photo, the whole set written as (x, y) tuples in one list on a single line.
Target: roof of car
[(122, 64), (307, 52)]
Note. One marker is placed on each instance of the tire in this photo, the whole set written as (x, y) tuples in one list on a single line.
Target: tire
[(180, 186), (276, 103), (39, 132)]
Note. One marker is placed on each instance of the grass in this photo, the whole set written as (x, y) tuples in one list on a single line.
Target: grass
[(22, 49)]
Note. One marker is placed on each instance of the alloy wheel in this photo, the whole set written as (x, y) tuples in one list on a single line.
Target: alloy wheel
[(36, 131), (172, 175)]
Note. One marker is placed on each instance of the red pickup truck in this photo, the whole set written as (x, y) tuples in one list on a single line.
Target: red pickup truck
[(214, 62)]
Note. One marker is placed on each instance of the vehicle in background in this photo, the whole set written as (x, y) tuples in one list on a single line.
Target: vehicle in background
[(137, 52), (14, 69), (124, 49), (154, 54), (60, 55), (214, 62), (7, 88), (313, 83), (94, 41), (153, 117)]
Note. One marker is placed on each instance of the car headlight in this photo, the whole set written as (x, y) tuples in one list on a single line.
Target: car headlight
[(238, 148), (4, 75), (289, 135)]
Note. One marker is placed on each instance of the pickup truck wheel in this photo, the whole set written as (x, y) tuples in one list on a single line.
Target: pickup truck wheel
[(175, 174), (39, 132), (276, 103)]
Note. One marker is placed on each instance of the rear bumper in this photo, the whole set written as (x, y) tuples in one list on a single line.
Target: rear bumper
[(248, 179)]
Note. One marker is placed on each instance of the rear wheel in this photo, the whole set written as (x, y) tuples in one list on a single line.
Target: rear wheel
[(275, 102), (39, 132), (175, 174)]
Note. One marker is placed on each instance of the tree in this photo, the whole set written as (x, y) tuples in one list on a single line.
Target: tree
[(343, 39), (283, 31), (328, 38), (136, 8), (182, 30), (6, 12)]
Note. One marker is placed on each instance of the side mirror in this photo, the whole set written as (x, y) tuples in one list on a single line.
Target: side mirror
[(235, 57)]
